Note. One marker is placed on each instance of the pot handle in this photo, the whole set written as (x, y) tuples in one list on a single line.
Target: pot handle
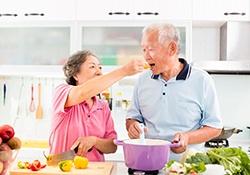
[(174, 144), (118, 142)]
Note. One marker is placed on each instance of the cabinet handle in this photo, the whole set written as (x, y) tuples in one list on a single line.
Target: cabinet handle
[(34, 14), (118, 13), (147, 13), (235, 13), (7, 14)]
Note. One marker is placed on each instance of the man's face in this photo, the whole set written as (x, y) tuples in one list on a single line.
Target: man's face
[(154, 53)]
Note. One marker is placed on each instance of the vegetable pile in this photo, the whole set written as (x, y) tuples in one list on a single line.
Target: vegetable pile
[(234, 160), (36, 165)]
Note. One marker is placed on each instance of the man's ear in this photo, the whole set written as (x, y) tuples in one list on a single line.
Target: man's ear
[(173, 48)]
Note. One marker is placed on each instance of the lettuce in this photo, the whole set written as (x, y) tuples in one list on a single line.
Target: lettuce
[(234, 160)]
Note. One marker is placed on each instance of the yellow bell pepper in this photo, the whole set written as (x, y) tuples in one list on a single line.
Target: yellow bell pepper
[(22, 165), (65, 165), (81, 162), (48, 158)]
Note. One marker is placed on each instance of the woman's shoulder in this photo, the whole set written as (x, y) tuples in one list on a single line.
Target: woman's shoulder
[(63, 86)]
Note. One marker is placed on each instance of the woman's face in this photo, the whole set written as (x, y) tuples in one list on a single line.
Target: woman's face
[(89, 69)]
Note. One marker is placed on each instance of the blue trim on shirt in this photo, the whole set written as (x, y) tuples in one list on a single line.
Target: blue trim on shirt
[(183, 75)]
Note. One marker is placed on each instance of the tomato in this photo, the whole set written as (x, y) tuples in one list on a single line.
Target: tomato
[(192, 172)]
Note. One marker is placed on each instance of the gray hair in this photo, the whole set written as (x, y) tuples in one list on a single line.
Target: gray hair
[(166, 32), (73, 65)]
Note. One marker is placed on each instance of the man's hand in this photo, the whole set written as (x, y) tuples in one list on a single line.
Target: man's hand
[(134, 129), (183, 139)]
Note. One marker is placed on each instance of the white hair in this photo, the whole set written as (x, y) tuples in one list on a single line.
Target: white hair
[(166, 33)]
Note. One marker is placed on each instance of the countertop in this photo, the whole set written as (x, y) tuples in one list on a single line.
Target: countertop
[(119, 168)]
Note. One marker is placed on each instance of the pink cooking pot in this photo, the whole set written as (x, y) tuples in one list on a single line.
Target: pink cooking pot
[(150, 156)]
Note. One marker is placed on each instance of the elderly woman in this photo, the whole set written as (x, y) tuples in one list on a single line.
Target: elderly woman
[(79, 118)]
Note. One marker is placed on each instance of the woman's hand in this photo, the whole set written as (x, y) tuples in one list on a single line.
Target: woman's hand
[(84, 144), (134, 66), (183, 139)]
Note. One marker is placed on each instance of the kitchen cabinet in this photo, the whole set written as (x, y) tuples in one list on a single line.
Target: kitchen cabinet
[(35, 44), (36, 10), (223, 10), (116, 44), (134, 10)]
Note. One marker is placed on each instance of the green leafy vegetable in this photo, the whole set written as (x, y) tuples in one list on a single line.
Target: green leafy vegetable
[(197, 158), (233, 159)]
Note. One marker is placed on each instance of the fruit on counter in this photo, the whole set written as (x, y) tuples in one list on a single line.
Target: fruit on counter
[(80, 162), (23, 165), (14, 143), (48, 158), (6, 132), (65, 165), (6, 154), (8, 150), (34, 166), (5, 147)]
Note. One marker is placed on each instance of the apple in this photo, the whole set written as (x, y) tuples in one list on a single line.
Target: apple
[(5, 152), (6, 132)]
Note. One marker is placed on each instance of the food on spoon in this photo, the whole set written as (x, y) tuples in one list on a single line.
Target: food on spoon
[(146, 66)]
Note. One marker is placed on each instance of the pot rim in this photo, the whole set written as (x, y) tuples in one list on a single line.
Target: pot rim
[(148, 142)]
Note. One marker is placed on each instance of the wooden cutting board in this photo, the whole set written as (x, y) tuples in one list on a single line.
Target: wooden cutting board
[(94, 168)]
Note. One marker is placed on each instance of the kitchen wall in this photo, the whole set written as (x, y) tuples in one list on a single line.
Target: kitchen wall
[(205, 44), (233, 92), (234, 95)]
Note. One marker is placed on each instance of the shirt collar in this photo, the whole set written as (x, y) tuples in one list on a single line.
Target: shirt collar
[(183, 75)]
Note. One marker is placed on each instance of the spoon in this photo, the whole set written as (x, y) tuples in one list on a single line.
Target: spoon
[(32, 104), (142, 135)]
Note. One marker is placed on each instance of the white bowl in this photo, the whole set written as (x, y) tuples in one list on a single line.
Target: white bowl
[(214, 169)]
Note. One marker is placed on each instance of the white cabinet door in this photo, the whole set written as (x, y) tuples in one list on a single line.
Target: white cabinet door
[(148, 10), (104, 10), (178, 9), (222, 10), (163, 9), (238, 10), (134, 10), (9, 10), (27, 10)]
